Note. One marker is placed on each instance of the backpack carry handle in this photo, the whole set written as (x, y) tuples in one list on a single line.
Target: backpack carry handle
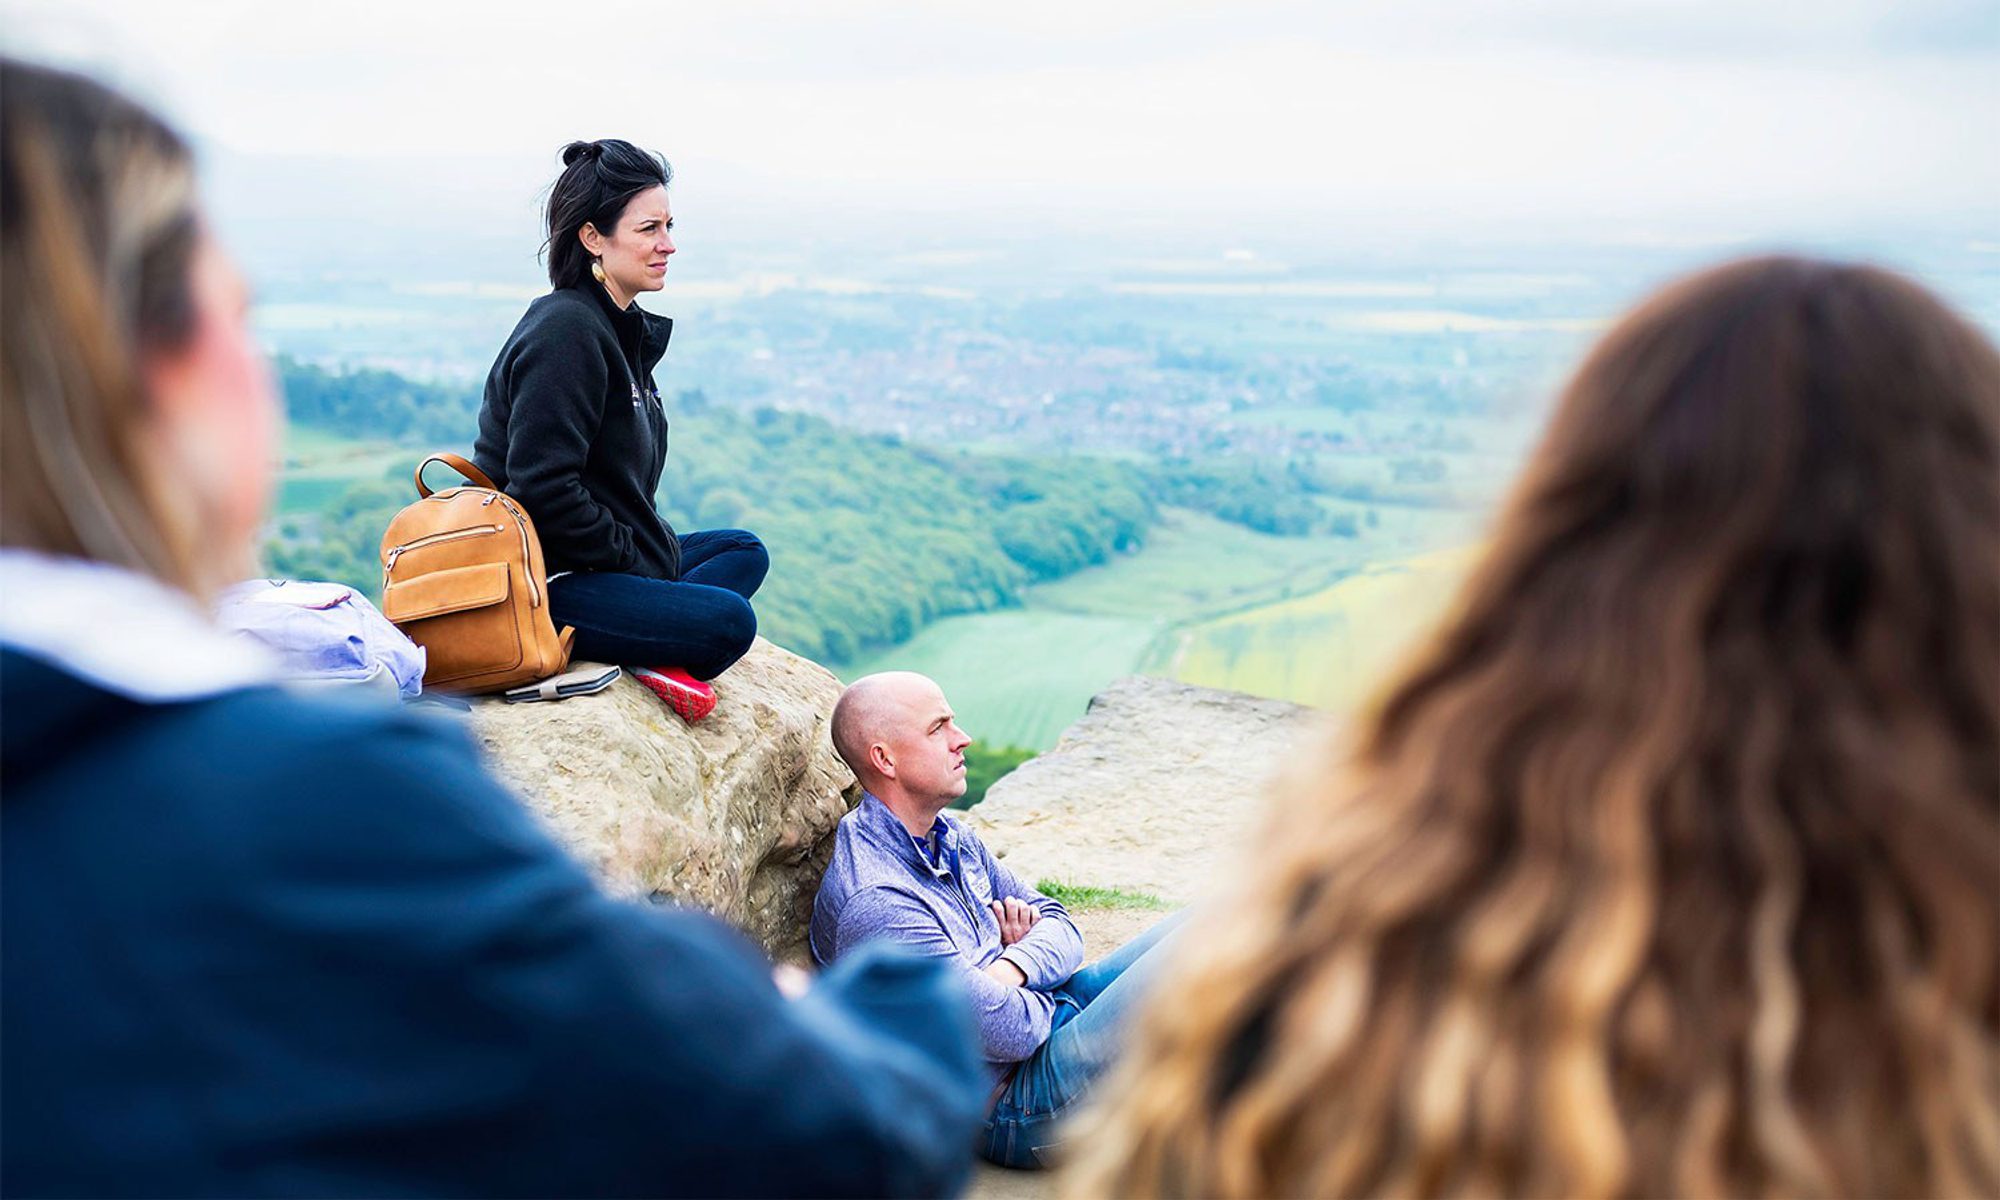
[(473, 474)]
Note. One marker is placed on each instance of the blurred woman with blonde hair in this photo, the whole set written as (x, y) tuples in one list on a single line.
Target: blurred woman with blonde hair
[(1672, 866)]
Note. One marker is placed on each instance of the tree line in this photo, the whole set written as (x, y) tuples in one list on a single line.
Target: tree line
[(871, 538)]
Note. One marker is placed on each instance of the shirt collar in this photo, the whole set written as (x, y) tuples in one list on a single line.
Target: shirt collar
[(124, 632), (642, 335), (887, 829)]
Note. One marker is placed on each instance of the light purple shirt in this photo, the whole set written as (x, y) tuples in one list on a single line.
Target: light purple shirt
[(880, 885), (321, 631)]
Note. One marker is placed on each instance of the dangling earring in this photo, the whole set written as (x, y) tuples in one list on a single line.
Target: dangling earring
[(597, 270)]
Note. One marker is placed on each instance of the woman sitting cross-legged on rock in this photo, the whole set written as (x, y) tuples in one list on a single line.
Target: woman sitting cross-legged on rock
[(572, 427)]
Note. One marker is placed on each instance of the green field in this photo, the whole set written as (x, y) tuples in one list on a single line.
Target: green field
[(1019, 677), (1205, 601), (318, 467), (1195, 566), (1333, 648)]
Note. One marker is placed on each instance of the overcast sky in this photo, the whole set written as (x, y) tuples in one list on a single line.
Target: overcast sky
[(1669, 114)]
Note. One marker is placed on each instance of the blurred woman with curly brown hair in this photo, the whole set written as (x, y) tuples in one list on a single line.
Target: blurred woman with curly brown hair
[(1672, 867)]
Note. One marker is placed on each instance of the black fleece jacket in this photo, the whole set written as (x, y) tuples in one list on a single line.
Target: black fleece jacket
[(572, 427)]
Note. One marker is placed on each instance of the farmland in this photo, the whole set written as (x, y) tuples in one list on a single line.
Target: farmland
[(1306, 619), (1332, 648)]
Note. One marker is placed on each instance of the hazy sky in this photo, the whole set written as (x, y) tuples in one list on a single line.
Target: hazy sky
[(1672, 115)]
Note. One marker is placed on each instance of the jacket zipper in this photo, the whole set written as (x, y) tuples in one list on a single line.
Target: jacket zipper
[(450, 535), (959, 891)]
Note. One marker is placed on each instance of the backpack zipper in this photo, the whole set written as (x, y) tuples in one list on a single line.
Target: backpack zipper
[(450, 535), (521, 523)]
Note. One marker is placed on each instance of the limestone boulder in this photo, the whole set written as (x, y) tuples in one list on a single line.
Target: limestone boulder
[(734, 814), (1153, 790)]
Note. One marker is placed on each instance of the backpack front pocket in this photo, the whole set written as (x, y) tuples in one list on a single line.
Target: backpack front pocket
[(461, 618)]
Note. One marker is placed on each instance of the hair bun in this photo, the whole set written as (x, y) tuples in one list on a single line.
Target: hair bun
[(582, 150)]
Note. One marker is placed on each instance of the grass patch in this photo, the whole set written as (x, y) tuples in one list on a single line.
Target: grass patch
[(1079, 895), (984, 765)]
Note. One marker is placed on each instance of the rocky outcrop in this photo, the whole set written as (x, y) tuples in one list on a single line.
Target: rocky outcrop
[(1150, 791), (733, 814)]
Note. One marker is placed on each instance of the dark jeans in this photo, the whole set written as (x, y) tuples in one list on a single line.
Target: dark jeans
[(701, 622), (1094, 1010)]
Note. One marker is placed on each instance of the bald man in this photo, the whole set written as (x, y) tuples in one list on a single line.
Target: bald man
[(903, 871)]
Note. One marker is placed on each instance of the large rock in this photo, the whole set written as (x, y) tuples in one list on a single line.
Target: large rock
[(1151, 790), (733, 814)]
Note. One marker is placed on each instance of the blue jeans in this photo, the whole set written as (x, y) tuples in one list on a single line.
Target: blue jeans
[(701, 622), (1094, 1009)]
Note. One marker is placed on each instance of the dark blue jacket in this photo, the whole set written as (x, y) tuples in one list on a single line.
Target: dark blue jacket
[(253, 944)]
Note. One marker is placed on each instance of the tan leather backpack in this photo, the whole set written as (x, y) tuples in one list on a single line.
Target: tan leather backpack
[(462, 577)]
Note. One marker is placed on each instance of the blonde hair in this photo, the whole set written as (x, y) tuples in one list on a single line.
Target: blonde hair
[(98, 229), (1673, 866)]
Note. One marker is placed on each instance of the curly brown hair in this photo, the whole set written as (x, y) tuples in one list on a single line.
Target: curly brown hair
[(1672, 866)]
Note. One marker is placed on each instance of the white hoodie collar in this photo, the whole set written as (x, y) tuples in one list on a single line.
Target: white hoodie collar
[(122, 631)]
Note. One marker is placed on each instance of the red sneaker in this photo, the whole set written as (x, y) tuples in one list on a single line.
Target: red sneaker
[(685, 694)]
